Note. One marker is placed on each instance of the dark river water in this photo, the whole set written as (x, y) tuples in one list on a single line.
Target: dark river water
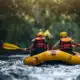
[(14, 69)]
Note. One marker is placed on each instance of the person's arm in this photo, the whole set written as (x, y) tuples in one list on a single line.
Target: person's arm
[(31, 46), (56, 45), (75, 43)]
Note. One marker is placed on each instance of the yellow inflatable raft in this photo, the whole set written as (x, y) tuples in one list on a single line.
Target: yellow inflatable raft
[(52, 55)]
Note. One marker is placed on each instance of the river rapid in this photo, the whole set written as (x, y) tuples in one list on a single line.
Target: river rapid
[(14, 69)]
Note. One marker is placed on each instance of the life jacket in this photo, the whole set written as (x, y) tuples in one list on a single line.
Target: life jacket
[(66, 43), (39, 42)]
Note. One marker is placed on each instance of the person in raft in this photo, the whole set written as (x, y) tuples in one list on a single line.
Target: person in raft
[(66, 43), (39, 44)]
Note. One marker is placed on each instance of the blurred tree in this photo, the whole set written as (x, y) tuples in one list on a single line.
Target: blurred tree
[(20, 20)]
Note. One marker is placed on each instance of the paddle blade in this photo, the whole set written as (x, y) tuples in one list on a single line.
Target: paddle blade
[(10, 46)]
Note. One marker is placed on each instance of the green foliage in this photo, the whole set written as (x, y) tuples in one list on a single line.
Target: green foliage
[(20, 20)]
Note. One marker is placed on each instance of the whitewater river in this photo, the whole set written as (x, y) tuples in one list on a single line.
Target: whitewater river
[(13, 69)]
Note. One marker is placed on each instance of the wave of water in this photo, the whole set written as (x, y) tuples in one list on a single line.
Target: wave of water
[(14, 69)]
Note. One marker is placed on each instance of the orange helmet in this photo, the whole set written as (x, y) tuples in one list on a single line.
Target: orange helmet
[(39, 34)]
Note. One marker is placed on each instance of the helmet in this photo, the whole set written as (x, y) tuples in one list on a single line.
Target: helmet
[(63, 34), (47, 34), (39, 34)]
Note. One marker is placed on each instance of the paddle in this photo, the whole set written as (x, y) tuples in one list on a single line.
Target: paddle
[(13, 49), (10, 46)]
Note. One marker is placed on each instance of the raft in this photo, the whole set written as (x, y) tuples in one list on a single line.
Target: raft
[(52, 55)]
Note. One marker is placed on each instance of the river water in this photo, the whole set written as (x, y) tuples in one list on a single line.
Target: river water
[(14, 69)]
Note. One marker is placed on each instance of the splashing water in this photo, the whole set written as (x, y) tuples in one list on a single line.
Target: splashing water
[(13, 69)]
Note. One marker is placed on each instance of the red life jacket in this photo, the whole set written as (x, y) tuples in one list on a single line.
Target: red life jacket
[(66, 43), (39, 42)]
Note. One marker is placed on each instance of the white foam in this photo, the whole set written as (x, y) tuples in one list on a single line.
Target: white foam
[(15, 70)]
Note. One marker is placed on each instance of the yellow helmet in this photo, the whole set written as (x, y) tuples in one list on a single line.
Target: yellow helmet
[(63, 34), (47, 34)]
